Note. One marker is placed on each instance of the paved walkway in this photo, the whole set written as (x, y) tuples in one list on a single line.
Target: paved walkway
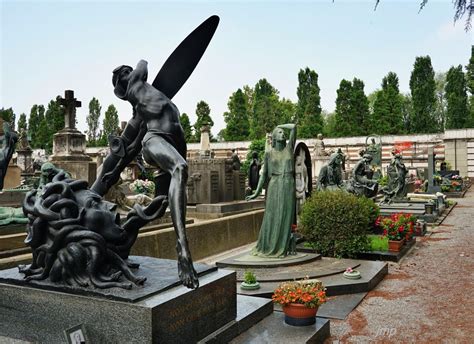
[(428, 297)]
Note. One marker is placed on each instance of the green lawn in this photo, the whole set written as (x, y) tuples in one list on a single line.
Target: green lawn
[(378, 242)]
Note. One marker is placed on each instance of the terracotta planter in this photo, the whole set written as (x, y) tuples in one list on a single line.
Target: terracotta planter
[(395, 245), (298, 315)]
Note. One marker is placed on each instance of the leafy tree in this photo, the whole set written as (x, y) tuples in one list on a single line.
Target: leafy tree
[(285, 111), (440, 106), (22, 125), (248, 92), (457, 113), (237, 119), (329, 129), (343, 109), (461, 7), (93, 121), (110, 125), (264, 115), (203, 114), (407, 110), (8, 115), (308, 110), (422, 86), (186, 125), (470, 85), (387, 111), (359, 109), (371, 99), (43, 125)]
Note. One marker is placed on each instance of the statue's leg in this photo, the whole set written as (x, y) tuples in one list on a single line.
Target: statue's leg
[(158, 152)]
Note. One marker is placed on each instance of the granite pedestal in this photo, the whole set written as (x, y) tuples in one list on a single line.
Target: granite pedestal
[(162, 311)]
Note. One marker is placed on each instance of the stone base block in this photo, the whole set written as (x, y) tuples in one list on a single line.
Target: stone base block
[(174, 315), (84, 170)]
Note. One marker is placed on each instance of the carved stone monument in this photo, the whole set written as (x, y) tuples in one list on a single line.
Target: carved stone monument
[(321, 155), (213, 180), (374, 148), (303, 175), (69, 144), (330, 176), (396, 188), (433, 186)]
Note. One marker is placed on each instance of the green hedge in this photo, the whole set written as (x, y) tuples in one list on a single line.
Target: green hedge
[(336, 223)]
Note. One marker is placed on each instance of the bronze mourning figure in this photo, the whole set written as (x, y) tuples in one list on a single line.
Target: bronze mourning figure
[(76, 236)]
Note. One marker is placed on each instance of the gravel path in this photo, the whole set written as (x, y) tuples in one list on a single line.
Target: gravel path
[(428, 297)]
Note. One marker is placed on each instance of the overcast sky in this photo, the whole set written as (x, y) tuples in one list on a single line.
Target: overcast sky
[(50, 46)]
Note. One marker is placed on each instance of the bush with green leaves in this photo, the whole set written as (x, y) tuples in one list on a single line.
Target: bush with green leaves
[(336, 223), (249, 277)]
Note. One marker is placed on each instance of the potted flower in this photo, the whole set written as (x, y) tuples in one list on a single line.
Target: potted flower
[(437, 179), (398, 228), (457, 186), (351, 273), (300, 301), (250, 281)]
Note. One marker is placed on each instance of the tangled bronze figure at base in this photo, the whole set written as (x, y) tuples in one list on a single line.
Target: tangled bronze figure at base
[(77, 239)]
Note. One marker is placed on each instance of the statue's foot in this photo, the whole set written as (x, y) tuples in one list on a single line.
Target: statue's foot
[(186, 272)]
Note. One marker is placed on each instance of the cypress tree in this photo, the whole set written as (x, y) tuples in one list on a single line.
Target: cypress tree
[(308, 109), (457, 113), (387, 111), (422, 86), (265, 109), (343, 109), (237, 119), (186, 125)]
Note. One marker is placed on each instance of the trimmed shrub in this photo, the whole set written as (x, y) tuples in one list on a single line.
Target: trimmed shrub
[(336, 223)]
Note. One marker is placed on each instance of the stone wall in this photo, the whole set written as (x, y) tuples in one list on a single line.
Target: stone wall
[(205, 238), (456, 146)]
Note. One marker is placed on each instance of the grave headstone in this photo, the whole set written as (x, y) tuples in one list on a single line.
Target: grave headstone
[(69, 144), (433, 185)]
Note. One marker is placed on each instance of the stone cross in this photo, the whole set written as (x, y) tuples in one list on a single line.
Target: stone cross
[(70, 104)]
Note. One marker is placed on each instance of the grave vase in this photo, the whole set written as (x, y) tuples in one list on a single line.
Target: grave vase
[(297, 314), (395, 245)]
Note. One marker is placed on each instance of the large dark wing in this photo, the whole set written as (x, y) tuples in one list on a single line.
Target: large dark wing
[(181, 63)]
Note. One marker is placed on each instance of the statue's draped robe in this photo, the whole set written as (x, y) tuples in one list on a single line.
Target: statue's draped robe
[(274, 237)]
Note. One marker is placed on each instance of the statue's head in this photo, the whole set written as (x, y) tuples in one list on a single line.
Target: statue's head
[(367, 157), (278, 135), (48, 170), (334, 159), (120, 78), (320, 136), (254, 155)]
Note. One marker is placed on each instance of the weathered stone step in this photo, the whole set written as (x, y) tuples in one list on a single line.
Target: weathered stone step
[(250, 310), (273, 330)]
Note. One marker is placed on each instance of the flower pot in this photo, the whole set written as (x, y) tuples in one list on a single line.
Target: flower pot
[(352, 275), (249, 286), (395, 245), (297, 314)]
